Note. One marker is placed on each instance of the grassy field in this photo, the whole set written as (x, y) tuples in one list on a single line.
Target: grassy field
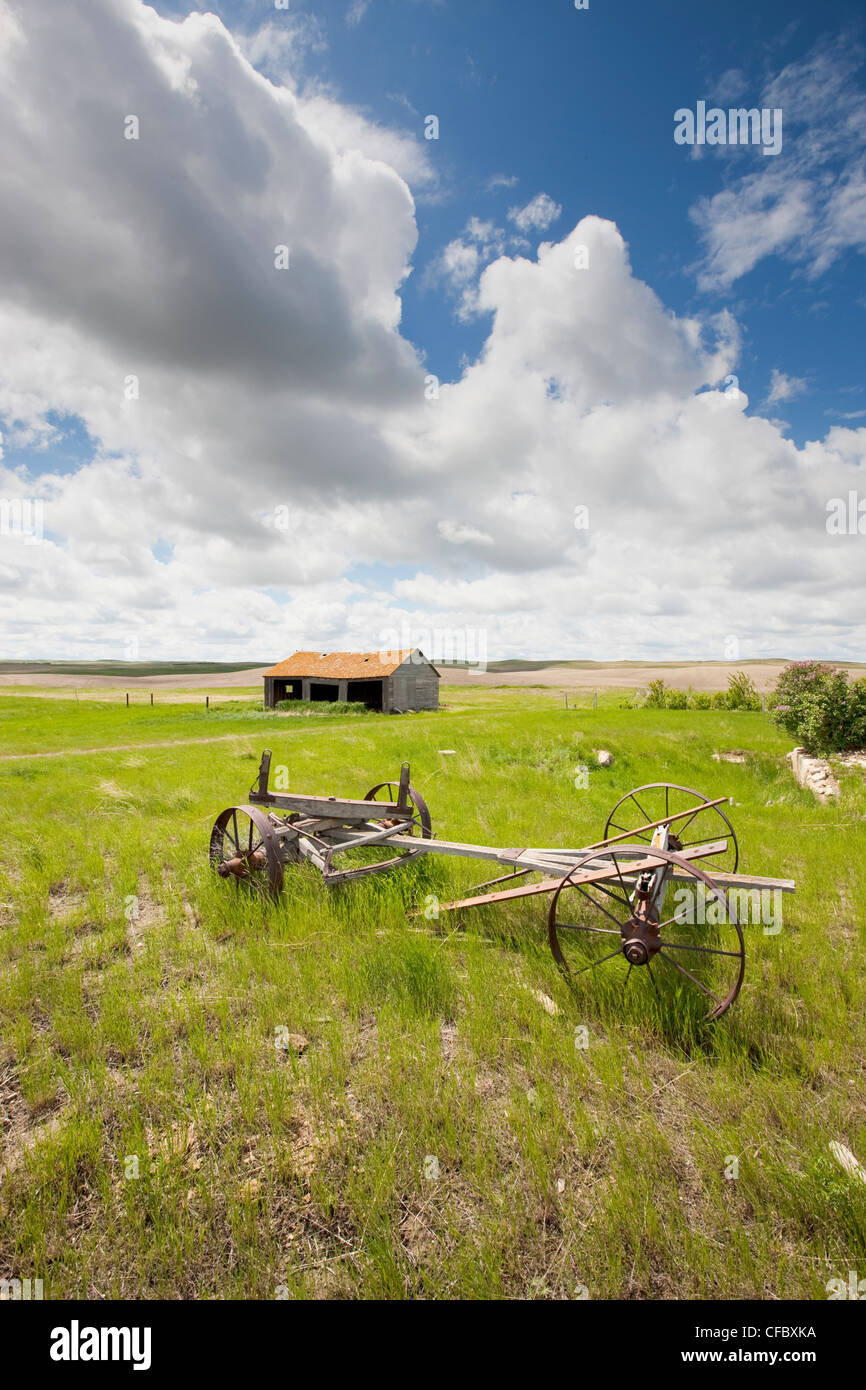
[(203, 1095)]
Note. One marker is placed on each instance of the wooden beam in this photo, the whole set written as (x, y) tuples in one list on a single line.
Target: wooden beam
[(330, 807), (549, 885)]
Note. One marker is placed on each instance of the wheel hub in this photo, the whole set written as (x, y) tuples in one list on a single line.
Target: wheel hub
[(641, 936), (242, 865)]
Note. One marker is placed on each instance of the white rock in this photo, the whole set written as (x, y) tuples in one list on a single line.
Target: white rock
[(847, 1160)]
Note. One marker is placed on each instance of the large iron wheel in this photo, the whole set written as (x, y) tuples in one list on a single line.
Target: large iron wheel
[(657, 800), (244, 848), (688, 943)]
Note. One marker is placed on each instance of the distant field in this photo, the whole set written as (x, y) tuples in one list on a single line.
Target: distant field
[(131, 674), (194, 677), (433, 1130), (627, 675), (123, 668)]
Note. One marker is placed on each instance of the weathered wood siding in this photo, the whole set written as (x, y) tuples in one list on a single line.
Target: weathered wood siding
[(414, 685)]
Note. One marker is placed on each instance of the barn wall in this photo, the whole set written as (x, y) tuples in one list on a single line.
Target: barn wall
[(414, 685)]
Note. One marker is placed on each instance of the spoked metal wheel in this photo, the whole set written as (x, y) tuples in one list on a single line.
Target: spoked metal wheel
[(615, 917), (244, 848), (417, 814), (702, 824)]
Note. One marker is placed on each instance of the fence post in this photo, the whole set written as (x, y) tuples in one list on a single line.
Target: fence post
[(151, 697), (127, 699), (207, 702), (595, 699)]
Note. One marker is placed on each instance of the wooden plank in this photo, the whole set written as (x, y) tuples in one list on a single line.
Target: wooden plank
[(464, 851), (330, 807), (310, 852), (747, 881), (548, 885)]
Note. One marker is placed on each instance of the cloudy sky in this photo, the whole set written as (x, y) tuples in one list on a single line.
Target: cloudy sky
[(352, 323)]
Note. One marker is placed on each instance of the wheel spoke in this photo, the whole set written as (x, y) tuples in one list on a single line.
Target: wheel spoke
[(592, 965), (596, 905), (709, 950), (611, 893), (601, 931), (696, 812), (694, 979), (620, 877), (705, 840), (647, 818), (683, 922)]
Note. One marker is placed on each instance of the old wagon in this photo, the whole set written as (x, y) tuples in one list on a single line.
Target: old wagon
[(659, 892)]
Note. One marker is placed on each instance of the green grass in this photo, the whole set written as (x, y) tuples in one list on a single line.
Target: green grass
[(142, 1000)]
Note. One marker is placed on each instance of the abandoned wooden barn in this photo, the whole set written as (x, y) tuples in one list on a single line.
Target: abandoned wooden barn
[(393, 682)]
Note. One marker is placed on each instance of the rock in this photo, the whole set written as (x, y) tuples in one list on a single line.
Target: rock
[(604, 757), (813, 774), (549, 1005), (847, 1160)]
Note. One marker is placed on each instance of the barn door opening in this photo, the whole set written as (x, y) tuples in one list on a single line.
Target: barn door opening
[(287, 690), (324, 692), (369, 692)]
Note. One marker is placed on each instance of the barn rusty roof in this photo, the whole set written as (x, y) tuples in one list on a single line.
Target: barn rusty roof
[(341, 665)]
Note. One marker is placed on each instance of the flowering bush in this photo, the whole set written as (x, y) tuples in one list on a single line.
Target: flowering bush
[(818, 705)]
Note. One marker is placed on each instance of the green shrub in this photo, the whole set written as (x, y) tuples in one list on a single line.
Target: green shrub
[(741, 692), (702, 700), (816, 704), (655, 695), (676, 699), (719, 699)]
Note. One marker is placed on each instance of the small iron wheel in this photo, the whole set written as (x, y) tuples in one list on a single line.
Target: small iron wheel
[(655, 801), (417, 813), (245, 849), (686, 941)]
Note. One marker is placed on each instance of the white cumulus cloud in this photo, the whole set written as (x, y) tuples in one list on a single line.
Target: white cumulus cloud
[(265, 455)]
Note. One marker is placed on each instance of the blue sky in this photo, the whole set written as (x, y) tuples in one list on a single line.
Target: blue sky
[(580, 104), (698, 385)]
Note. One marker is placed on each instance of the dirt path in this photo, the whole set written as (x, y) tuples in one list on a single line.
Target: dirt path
[(119, 748)]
